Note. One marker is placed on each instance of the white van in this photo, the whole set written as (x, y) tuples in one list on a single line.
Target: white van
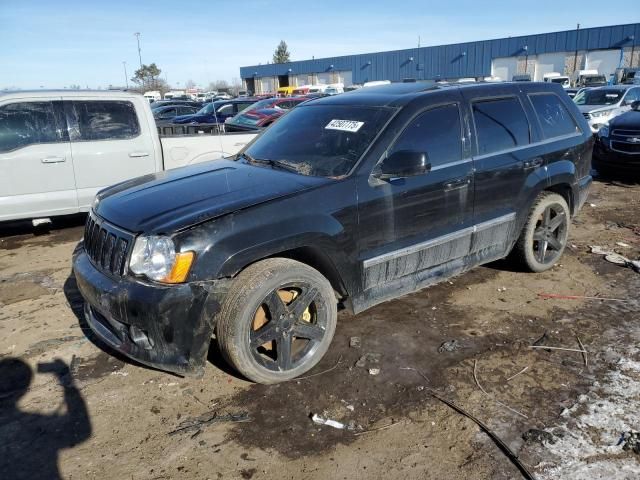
[(152, 96), (58, 148), (555, 77)]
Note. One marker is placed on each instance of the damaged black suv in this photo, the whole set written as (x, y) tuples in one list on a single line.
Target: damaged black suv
[(353, 200)]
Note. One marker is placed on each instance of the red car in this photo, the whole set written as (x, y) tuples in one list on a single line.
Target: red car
[(262, 114)]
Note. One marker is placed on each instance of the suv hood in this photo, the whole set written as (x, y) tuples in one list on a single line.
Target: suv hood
[(596, 108), (169, 201), (628, 121)]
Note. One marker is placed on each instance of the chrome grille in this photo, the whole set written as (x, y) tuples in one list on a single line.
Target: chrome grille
[(619, 132), (106, 245), (626, 147)]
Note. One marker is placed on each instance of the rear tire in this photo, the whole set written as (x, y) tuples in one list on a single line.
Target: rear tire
[(544, 235), (277, 320)]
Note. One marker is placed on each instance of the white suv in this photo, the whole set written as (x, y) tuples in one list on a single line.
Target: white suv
[(601, 104)]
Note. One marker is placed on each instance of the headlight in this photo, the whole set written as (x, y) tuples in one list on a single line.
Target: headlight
[(155, 257), (604, 131), (603, 113)]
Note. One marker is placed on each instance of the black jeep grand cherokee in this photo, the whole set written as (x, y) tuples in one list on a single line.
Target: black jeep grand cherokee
[(357, 199)]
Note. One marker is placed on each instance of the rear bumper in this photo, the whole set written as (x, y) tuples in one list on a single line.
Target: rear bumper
[(581, 192), (165, 327)]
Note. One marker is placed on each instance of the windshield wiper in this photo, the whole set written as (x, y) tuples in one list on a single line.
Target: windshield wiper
[(272, 163)]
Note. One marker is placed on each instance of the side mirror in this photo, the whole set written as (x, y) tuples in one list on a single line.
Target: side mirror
[(403, 163), (635, 105)]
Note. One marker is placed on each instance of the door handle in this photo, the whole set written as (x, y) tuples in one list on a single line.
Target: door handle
[(138, 154), (457, 184), (533, 163), (53, 159)]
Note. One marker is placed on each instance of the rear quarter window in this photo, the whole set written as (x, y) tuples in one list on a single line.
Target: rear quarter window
[(501, 124), (103, 120), (555, 120)]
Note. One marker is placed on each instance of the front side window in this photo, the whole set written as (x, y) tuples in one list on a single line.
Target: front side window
[(104, 120), (501, 124), (319, 140), (28, 123), (633, 94), (436, 132), (225, 109)]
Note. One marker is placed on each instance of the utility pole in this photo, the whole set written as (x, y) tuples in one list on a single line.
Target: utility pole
[(126, 77), (575, 55), (137, 34)]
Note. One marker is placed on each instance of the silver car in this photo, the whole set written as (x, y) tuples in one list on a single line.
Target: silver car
[(601, 104)]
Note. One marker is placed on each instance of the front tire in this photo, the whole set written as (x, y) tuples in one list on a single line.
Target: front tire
[(544, 235), (277, 320)]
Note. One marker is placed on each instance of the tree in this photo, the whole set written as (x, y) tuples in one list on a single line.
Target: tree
[(147, 77), (281, 55), (219, 86)]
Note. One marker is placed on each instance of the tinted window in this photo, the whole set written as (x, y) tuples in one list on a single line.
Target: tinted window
[(554, 117), (437, 132), (500, 124), (28, 123), (632, 95), (104, 120), (241, 106), (598, 96)]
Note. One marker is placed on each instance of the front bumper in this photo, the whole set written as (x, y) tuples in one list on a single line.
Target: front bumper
[(165, 327), (604, 156)]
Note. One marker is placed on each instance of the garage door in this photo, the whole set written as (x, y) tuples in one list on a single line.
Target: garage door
[(605, 61), (505, 68), (548, 63)]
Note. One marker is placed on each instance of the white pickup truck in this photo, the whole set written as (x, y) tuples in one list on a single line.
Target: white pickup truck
[(58, 148)]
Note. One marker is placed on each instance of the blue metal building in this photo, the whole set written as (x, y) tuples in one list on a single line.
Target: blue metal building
[(607, 47)]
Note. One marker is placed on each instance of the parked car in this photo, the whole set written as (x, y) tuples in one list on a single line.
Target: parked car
[(186, 103), (599, 105), (356, 199), (617, 147), (167, 113), (215, 112), (286, 91), (588, 78), (58, 148), (152, 96), (572, 92), (525, 77), (262, 114), (626, 76)]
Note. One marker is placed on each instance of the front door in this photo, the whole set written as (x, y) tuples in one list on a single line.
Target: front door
[(410, 226), (36, 167), (109, 143)]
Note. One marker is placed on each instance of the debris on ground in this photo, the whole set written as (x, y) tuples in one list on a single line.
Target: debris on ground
[(368, 358), (198, 423), (630, 441), (374, 371), (450, 346), (623, 245), (539, 436), (615, 258), (318, 420), (502, 289), (354, 342)]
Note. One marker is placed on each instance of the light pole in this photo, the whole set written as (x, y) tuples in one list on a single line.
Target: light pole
[(126, 77), (137, 34)]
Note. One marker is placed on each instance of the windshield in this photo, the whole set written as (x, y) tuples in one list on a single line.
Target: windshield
[(261, 104), (320, 140), (598, 97), (595, 80), (208, 108)]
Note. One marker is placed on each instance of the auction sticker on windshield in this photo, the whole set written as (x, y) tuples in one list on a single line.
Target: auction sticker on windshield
[(344, 125)]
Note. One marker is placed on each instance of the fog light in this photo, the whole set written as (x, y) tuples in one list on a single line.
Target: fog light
[(140, 338)]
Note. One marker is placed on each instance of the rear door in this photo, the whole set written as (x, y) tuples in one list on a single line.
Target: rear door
[(110, 143), (36, 167), (504, 159)]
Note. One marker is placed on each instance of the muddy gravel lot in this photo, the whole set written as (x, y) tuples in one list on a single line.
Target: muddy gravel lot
[(71, 409)]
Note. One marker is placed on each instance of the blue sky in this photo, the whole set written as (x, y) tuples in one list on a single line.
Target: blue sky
[(59, 43)]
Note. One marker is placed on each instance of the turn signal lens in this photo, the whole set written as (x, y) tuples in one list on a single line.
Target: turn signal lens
[(180, 268)]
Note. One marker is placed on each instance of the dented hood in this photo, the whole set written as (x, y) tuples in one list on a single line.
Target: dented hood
[(176, 199)]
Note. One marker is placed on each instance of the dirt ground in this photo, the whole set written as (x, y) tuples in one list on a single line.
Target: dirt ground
[(92, 415)]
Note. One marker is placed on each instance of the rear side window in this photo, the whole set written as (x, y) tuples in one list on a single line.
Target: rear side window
[(501, 124), (437, 132), (104, 120), (28, 123), (554, 117)]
